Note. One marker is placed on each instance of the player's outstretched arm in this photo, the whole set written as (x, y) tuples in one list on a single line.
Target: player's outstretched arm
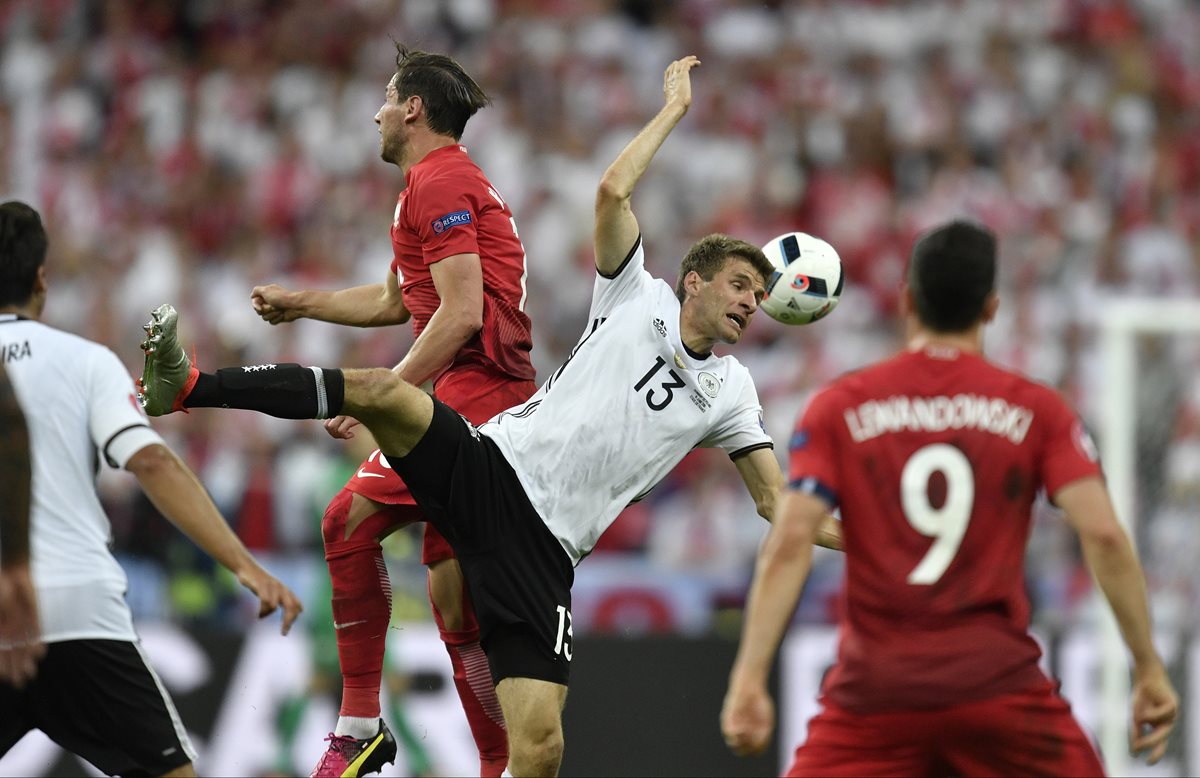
[(20, 632), (616, 228), (764, 480), (178, 495), (1110, 557), (748, 715), (370, 305)]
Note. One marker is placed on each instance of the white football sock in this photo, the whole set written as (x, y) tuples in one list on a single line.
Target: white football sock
[(357, 727)]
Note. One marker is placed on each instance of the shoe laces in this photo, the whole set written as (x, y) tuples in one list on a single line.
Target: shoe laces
[(340, 743)]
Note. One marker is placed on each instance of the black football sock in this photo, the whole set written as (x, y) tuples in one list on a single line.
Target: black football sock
[(287, 391)]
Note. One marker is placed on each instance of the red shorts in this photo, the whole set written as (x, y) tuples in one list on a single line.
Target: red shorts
[(475, 391), (1026, 733)]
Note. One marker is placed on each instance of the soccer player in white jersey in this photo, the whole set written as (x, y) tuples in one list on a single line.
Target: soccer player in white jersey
[(524, 497), (94, 692)]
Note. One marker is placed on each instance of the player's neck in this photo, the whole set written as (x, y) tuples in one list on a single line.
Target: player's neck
[(421, 146), (970, 342), (30, 310)]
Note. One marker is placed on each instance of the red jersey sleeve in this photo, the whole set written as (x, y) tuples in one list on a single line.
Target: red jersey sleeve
[(1069, 453), (446, 218), (812, 449)]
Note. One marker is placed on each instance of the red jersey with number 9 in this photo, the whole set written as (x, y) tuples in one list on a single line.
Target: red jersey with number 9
[(935, 458), (449, 207)]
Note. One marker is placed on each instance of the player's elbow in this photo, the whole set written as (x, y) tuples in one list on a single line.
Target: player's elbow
[(765, 506), (1107, 539), (151, 462), (469, 320), (611, 192)]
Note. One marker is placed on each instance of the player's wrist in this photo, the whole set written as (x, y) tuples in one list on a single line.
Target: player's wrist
[(747, 678), (1150, 667)]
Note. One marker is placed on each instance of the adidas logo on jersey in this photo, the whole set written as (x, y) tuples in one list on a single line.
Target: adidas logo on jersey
[(660, 327)]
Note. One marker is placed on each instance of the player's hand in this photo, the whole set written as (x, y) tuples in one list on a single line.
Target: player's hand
[(20, 632), (1155, 706), (341, 427), (271, 595), (274, 304), (677, 82), (747, 720)]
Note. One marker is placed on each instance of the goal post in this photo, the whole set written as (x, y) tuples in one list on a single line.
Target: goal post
[(1124, 321)]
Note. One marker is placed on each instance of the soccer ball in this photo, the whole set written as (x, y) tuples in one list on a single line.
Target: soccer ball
[(807, 282)]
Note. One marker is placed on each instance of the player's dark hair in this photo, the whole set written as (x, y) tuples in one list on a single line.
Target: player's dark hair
[(951, 273), (707, 257), (22, 251), (449, 94)]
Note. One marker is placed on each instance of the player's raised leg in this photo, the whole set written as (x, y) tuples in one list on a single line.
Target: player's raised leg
[(397, 413)]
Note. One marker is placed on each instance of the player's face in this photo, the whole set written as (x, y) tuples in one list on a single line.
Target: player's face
[(390, 119), (731, 299)]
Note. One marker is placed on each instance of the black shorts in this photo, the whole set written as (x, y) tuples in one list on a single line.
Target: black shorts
[(101, 700), (518, 575)]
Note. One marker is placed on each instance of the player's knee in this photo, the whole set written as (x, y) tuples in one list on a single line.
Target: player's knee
[(373, 388), (446, 594), (333, 522), (535, 748)]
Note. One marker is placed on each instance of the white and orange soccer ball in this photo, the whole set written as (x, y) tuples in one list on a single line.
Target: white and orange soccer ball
[(807, 282)]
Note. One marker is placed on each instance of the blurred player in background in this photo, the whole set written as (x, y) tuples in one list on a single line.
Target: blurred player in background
[(94, 693), (935, 457), (459, 268), (525, 497), (20, 641)]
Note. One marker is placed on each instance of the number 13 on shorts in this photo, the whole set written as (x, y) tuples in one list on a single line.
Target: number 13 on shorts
[(562, 643)]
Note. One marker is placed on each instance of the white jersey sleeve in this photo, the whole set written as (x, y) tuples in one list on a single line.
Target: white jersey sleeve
[(629, 281), (743, 429), (117, 424)]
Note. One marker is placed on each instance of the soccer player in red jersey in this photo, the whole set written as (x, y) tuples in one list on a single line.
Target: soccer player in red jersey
[(935, 457), (20, 643), (459, 269)]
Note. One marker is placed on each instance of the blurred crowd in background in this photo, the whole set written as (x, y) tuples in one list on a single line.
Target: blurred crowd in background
[(188, 151)]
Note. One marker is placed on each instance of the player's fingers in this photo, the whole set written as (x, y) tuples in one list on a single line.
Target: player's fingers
[(745, 743), (291, 611), (1152, 738), (26, 659), (18, 664), (8, 672)]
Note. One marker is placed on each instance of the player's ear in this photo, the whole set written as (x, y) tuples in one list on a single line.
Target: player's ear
[(908, 306), (990, 306), (692, 283), (414, 108)]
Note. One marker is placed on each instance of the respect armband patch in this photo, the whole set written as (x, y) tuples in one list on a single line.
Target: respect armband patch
[(450, 220)]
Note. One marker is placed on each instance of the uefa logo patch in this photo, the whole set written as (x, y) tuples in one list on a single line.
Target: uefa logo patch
[(450, 220)]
